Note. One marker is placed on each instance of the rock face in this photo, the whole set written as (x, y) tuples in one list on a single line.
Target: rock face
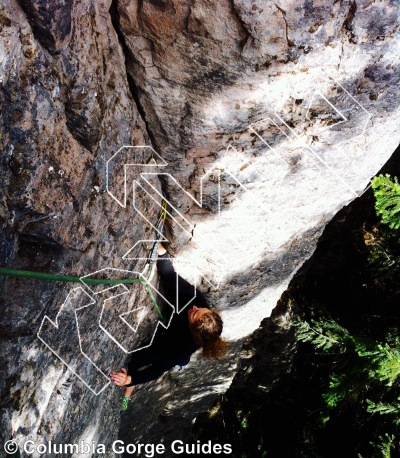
[(265, 118), (275, 404)]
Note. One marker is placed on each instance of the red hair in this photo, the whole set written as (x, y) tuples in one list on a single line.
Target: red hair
[(206, 332)]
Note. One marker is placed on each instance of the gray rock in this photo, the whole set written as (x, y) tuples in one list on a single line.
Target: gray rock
[(271, 117)]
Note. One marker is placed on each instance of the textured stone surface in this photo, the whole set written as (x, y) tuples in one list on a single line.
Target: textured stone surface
[(276, 400), (318, 84), (62, 117), (302, 77), (50, 22)]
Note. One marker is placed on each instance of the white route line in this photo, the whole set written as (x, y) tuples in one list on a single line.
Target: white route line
[(318, 157), (331, 105), (189, 230), (369, 116), (177, 309), (153, 154), (141, 241), (186, 230), (124, 274), (56, 325), (140, 318), (303, 139), (277, 155)]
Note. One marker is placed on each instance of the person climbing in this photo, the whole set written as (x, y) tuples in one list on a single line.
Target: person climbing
[(189, 330)]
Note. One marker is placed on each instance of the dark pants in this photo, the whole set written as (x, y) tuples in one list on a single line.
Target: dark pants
[(172, 346)]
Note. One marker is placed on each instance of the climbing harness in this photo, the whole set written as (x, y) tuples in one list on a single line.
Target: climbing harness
[(149, 266)]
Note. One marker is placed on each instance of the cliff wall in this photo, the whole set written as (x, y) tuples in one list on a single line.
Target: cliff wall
[(258, 122)]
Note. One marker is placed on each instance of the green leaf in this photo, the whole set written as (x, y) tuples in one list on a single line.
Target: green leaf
[(387, 199)]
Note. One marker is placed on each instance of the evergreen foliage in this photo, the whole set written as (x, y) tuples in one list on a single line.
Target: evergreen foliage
[(385, 409), (337, 391), (361, 374), (359, 367), (383, 255), (387, 196), (387, 361), (341, 396), (323, 334), (383, 449)]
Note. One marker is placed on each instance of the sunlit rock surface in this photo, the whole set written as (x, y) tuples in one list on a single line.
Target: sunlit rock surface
[(264, 119)]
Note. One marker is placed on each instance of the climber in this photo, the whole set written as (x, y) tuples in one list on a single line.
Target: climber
[(197, 327)]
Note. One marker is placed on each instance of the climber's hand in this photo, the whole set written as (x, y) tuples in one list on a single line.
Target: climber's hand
[(121, 378)]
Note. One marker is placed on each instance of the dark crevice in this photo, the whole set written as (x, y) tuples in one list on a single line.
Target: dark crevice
[(187, 18), (289, 42), (247, 35), (133, 88), (51, 22), (164, 5), (77, 126), (41, 239), (348, 22), (6, 334)]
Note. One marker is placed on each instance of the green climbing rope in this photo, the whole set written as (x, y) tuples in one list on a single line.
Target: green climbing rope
[(66, 278), (100, 281), (88, 280), (92, 281)]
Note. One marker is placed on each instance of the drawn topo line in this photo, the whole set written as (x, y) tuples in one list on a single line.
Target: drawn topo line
[(200, 204), (56, 325)]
